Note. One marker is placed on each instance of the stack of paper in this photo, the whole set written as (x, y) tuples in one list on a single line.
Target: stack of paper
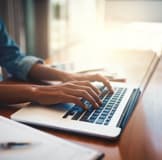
[(38, 145)]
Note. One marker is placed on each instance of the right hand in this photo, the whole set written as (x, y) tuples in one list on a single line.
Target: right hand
[(68, 92)]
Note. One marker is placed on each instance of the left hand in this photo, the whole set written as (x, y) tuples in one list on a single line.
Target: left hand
[(89, 77)]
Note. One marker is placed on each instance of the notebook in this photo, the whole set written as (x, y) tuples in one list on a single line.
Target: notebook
[(107, 121), (20, 142)]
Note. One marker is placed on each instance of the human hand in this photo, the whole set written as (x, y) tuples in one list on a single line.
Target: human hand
[(90, 78), (44, 73), (68, 92)]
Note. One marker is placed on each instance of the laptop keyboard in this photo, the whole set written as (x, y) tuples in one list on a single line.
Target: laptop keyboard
[(104, 113)]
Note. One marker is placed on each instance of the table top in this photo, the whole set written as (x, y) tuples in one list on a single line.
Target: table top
[(142, 136)]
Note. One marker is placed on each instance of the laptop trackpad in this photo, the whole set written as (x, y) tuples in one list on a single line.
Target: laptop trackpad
[(34, 111)]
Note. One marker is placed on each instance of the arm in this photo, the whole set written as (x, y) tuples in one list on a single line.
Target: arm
[(12, 59), (40, 72), (12, 93), (45, 95), (23, 67)]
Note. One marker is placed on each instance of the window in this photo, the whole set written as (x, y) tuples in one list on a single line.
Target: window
[(72, 22), (88, 28)]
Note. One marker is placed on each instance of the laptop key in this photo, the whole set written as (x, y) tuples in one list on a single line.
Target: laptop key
[(105, 112), (87, 114), (99, 121), (91, 120), (77, 115), (70, 112)]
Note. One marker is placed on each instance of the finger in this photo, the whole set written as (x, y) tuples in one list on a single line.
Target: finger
[(92, 94), (87, 83), (90, 91), (79, 85), (84, 94), (61, 97), (104, 80), (73, 99), (83, 91), (77, 90)]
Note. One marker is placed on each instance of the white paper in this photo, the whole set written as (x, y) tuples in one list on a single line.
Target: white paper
[(43, 146)]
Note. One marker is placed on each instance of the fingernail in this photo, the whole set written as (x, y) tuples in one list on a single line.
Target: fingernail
[(99, 92), (97, 105), (100, 102), (85, 107), (112, 90)]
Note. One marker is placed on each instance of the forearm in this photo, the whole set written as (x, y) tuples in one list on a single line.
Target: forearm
[(40, 72), (11, 94)]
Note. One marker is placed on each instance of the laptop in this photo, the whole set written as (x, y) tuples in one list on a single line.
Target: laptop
[(108, 121)]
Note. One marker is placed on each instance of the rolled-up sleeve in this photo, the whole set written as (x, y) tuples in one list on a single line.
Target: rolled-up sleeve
[(21, 66), (12, 59)]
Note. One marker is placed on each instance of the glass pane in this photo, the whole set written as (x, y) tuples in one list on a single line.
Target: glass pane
[(71, 22)]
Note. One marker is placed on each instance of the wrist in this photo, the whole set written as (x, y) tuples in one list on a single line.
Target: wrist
[(31, 93), (64, 76)]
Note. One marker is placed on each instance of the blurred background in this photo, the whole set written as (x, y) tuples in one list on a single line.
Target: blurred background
[(82, 31)]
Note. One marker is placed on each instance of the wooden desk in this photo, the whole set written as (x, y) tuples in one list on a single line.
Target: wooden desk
[(142, 137)]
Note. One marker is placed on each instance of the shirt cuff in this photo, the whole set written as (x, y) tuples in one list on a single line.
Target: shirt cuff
[(26, 64)]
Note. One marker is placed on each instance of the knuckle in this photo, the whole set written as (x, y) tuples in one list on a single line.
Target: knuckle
[(83, 92), (87, 82), (60, 92), (68, 85), (89, 90), (77, 101), (98, 75)]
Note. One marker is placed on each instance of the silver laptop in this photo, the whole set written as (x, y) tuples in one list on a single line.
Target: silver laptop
[(107, 121)]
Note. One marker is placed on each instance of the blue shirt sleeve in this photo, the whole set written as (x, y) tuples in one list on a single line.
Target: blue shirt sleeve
[(12, 59)]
